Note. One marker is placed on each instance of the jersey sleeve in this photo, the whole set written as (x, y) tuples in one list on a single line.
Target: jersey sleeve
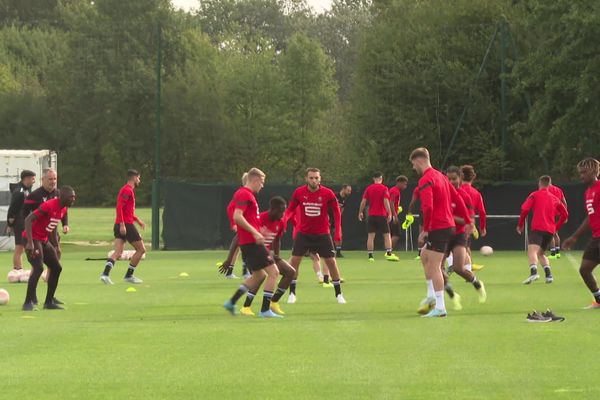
[(481, 212), (16, 203), (290, 213), (525, 208), (366, 193), (241, 201), (426, 197), (122, 198), (461, 208), (337, 217), (563, 214)]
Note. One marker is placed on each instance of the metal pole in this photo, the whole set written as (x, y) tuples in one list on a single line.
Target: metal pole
[(156, 182), (503, 115)]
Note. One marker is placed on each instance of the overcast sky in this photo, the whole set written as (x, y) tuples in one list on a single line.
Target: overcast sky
[(318, 5)]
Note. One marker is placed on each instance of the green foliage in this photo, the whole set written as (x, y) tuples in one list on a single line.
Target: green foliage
[(269, 83)]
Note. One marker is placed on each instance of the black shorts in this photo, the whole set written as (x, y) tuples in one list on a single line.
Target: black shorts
[(439, 239), (592, 251), (45, 254), (18, 229), (131, 236), (395, 228), (256, 256), (540, 238), (319, 244), (377, 224), (458, 239)]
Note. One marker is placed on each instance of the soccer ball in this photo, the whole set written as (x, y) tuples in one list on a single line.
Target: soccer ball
[(13, 276), (486, 251), (24, 275), (45, 275), (4, 297)]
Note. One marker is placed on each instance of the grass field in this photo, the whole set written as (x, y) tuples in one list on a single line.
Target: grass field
[(172, 340)]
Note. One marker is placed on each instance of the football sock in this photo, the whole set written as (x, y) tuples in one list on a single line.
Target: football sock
[(388, 252), (338, 287), (110, 263), (239, 293), (449, 290), (325, 278), (280, 292), (249, 298), (370, 254), (266, 301), (52, 283), (229, 270), (430, 290), (130, 271), (338, 249), (533, 269), (293, 287), (596, 296), (553, 251), (547, 270), (468, 267), (476, 283), (439, 300)]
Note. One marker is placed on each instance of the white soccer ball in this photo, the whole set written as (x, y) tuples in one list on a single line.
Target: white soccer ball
[(4, 297), (13, 276), (45, 275), (486, 251), (24, 275)]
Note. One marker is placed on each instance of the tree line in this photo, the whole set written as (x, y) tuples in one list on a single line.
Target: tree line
[(271, 83)]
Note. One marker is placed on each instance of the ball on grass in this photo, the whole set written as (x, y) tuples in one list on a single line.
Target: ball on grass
[(4, 297), (13, 276), (24, 275), (486, 251)]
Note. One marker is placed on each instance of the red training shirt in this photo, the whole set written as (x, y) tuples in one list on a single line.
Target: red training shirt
[(556, 191), (460, 228), (245, 200), (270, 229), (48, 215), (545, 207), (395, 198), (126, 206), (375, 194), (478, 206), (436, 194), (314, 206), (592, 207)]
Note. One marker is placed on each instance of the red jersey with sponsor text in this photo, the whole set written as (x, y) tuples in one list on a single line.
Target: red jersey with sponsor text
[(592, 207), (245, 200), (48, 215), (314, 207), (270, 229)]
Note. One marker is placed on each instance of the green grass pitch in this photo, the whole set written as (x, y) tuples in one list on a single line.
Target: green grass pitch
[(172, 339)]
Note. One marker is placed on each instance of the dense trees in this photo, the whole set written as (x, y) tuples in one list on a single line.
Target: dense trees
[(270, 83)]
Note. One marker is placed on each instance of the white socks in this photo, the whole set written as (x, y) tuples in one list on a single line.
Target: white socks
[(468, 267), (430, 289), (439, 301)]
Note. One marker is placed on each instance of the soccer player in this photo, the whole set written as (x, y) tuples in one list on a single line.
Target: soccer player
[(377, 196), (395, 196), (457, 246), (14, 216), (436, 195), (589, 169), (125, 230), (252, 246), (39, 225), (468, 175), (46, 192), (314, 201), (545, 207), (343, 194), (272, 228), (555, 190), (226, 267)]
